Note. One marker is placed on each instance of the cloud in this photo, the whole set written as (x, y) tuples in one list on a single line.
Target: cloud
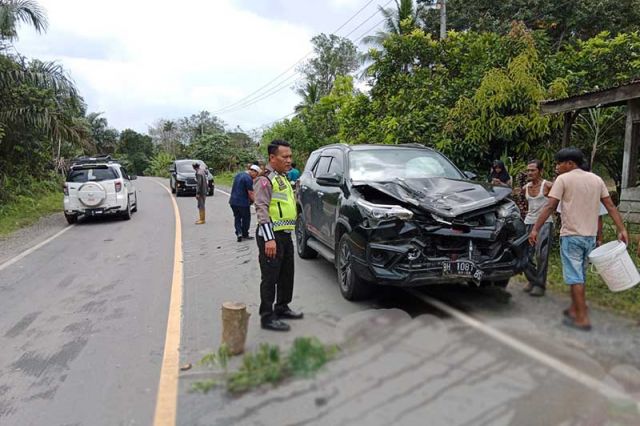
[(137, 59)]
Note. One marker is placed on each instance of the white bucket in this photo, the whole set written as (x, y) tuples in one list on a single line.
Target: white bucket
[(615, 266)]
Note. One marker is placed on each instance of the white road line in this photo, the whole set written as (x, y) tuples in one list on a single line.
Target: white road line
[(34, 248), (225, 193), (551, 362)]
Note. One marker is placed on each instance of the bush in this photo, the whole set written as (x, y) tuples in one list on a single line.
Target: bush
[(159, 165)]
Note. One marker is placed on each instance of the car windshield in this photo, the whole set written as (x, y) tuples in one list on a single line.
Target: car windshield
[(93, 175), (386, 164), (187, 167)]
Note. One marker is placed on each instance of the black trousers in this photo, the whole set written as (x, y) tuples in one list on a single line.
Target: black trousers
[(536, 270), (276, 284), (242, 220)]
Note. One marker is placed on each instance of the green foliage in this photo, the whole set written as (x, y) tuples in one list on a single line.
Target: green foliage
[(135, 151), (27, 199), (334, 56), (267, 365), (159, 165), (561, 21), (225, 178), (103, 137), (503, 115), (307, 355), (12, 12)]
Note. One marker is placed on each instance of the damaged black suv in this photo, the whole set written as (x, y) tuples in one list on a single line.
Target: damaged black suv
[(405, 215)]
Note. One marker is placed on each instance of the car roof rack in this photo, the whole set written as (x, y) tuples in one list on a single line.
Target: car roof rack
[(97, 159)]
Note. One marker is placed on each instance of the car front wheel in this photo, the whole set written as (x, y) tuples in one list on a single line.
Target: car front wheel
[(304, 251), (352, 287)]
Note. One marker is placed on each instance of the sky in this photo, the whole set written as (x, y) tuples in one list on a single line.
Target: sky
[(138, 61)]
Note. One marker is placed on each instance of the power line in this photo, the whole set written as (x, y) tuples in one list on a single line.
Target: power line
[(234, 104), (257, 97)]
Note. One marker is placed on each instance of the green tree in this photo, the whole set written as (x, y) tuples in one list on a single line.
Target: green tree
[(561, 20), (401, 20), (12, 12), (502, 117), (103, 137), (334, 56), (135, 151), (310, 95)]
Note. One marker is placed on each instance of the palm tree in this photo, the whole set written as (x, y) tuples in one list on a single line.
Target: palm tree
[(12, 12), (401, 20), (310, 96), (58, 118)]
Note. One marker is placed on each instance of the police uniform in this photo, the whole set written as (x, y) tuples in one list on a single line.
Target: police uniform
[(276, 213)]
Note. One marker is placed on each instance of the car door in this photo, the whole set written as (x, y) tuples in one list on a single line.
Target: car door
[(329, 197), (304, 191), (314, 193)]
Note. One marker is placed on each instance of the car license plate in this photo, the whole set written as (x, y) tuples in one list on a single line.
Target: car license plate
[(96, 212), (462, 268)]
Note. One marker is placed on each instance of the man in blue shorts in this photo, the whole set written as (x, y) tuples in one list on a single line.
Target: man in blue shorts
[(580, 193)]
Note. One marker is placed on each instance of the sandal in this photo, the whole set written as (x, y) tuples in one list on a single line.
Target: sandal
[(571, 324)]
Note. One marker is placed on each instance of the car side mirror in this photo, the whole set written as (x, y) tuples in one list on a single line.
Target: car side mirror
[(133, 177), (332, 179), (470, 175), (172, 170)]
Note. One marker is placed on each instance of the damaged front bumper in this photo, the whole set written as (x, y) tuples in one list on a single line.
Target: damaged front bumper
[(437, 256)]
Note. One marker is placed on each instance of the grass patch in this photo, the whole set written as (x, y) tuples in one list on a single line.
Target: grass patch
[(225, 178), (626, 302), (267, 365), (25, 210)]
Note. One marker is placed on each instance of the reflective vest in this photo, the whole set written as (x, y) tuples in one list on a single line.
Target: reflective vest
[(282, 209)]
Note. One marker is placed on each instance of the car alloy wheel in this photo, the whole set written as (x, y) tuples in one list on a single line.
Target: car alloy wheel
[(126, 215), (304, 251), (351, 286)]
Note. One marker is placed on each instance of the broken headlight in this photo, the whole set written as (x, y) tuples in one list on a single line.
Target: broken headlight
[(508, 210), (383, 211)]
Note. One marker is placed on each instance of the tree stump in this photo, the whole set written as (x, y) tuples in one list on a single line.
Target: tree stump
[(235, 320)]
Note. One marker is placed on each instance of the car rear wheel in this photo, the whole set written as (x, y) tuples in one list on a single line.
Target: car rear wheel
[(304, 251), (71, 218), (135, 207), (126, 215), (351, 286)]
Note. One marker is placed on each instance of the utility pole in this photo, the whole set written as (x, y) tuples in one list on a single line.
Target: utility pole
[(443, 19)]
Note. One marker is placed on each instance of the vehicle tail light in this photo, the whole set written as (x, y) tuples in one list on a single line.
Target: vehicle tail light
[(65, 189), (118, 186)]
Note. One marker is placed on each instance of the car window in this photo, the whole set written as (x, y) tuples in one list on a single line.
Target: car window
[(336, 162), (184, 167), (322, 167), (124, 173), (93, 175), (386, 164)]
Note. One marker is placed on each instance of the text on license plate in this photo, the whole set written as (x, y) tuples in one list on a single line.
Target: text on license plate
[(461, 268)]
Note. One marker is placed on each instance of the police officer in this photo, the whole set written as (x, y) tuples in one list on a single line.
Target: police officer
[(276, 211)]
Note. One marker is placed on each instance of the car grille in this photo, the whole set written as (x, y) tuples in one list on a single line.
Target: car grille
[(191, 181)]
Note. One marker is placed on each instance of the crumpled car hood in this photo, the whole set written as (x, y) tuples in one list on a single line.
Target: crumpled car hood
[(442, 196)]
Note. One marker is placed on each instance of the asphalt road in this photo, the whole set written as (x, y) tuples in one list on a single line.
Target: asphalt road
[(84, 319)]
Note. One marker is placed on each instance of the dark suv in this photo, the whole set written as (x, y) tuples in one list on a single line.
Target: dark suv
[(182, 179), (405, 215)]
